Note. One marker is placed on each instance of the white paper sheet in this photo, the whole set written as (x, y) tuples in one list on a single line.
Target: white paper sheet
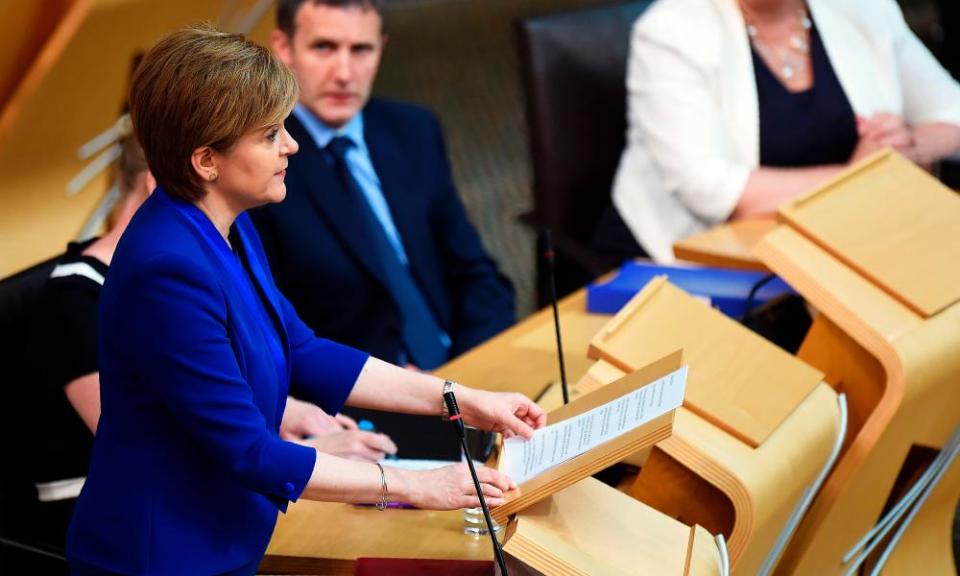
[(414, 464), (557, 443)]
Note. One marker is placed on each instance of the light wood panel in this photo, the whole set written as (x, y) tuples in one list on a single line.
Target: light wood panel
[(912, 398), (591, 529), (732, 369), (704, 473), (909, 244), (524, 358), (729, 245), (327, 538), (27, 25), (75, 89)]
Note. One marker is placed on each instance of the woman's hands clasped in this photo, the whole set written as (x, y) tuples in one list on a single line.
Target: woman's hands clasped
[(307, 424)]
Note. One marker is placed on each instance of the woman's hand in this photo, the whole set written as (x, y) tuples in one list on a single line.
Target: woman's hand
[(303, 419), (883, 131), (346, 422), (508, 413), (354, 445), (448, 488)]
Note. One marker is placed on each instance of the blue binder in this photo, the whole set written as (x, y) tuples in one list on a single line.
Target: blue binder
[(726, 289)]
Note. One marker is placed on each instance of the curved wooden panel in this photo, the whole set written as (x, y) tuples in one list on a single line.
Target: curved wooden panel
[(905, 368), (27, 25), (908, 244), (748, 487), (74, 90)]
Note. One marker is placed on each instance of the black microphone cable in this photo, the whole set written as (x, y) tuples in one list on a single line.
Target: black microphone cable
[(549, 255), (454, 410)]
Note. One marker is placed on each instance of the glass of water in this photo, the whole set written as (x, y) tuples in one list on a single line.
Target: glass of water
[(479, 447)]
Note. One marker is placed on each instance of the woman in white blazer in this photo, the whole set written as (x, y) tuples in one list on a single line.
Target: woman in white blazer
[(693, 154)]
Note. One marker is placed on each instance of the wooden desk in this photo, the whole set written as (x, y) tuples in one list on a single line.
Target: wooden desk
[(729, 245), (524, 358), (327, 538)]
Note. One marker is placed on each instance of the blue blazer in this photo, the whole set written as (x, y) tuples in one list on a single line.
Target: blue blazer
[(322, 261), (196, 355)]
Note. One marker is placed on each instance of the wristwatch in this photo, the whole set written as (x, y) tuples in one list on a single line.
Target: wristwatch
[(444, 412)]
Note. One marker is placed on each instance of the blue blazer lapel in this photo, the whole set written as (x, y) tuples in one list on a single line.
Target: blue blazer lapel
[(322, 186), (259, 268)]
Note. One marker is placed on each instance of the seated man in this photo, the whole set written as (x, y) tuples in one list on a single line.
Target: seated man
[(372, 244)]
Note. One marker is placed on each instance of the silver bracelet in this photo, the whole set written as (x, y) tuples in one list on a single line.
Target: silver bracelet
[(382, 504)]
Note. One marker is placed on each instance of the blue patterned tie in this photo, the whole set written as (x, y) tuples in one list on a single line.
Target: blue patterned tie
[(421, 334)]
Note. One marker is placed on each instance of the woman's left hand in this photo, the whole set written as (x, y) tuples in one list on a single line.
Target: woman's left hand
[(508, 413), (303, 419), (887, 130)]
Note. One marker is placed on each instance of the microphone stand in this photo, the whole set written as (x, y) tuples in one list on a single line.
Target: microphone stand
[(454, 410), (549, 255)]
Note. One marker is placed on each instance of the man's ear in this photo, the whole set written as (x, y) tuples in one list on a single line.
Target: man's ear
[(204, 163), (281, 45)]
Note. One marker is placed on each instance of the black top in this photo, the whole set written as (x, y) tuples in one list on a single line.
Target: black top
[(64, 344), (808, 128)]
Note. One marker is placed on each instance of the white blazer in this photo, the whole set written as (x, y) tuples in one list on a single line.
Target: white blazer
[(694, 129)]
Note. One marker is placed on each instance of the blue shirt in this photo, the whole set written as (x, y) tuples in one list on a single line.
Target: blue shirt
[(361, 167)]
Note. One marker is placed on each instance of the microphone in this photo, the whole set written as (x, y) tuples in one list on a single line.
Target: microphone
[(548, 254), (454, 411)]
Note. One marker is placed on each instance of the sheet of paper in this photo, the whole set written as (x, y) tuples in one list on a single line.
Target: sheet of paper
[(413, 464), (557, 443)]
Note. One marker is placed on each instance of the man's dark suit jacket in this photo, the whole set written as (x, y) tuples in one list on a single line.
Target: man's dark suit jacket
[(323, 264)]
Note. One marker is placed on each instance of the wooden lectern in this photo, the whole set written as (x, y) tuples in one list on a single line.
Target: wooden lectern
[(756, 429), (877, 252), (567, 523), (590, 529), (605, 455)]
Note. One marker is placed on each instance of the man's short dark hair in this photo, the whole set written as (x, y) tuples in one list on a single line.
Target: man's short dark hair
[(287, 10)]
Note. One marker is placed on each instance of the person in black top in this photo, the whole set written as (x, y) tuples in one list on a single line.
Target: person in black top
[(67, 388)]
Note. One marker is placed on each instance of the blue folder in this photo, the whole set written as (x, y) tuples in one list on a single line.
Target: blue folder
[(725, 288)]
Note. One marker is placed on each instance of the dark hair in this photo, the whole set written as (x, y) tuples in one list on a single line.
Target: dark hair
[(287, 11), (202, 87)]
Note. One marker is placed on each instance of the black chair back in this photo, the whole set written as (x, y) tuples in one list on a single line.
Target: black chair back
[(574, 74)]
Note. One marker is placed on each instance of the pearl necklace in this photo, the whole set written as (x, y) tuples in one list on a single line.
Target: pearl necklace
[(791, 59)]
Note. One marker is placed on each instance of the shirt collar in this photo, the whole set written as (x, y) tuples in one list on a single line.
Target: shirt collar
[(323, 134)]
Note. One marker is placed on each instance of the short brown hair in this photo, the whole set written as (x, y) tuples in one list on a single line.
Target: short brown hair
[(202, 87)]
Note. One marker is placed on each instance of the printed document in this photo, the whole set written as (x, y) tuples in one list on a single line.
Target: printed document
[(557, 443)]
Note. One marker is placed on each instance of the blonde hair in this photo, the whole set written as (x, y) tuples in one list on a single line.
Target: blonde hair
[(131, 162), (202, 87)]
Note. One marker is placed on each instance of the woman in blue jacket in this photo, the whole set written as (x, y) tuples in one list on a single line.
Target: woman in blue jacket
[(198, 349)]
